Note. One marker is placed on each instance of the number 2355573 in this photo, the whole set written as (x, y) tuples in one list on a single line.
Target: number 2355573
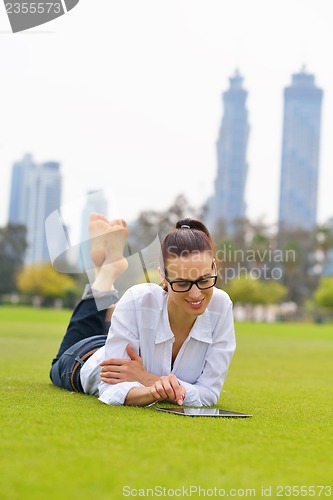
[(33, 8), (301, 491)]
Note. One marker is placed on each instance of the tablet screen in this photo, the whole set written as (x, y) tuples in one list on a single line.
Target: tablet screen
[(203, 412)]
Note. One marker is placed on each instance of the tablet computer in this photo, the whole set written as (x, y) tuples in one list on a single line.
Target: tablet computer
[(203, 412)]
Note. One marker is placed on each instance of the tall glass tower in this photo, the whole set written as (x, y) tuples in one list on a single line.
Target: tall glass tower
[(300, 153), (35, 193), (227, 204)]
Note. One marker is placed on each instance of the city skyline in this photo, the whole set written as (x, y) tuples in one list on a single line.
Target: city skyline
[(36, 189), (299, 167), (142, 118)]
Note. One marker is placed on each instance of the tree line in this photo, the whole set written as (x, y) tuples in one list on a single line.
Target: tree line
[(256, 265)]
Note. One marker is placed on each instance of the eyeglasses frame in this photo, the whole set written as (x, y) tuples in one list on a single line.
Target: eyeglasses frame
[(193, 282)]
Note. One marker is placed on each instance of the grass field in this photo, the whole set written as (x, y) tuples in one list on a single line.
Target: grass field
[(56, 444)]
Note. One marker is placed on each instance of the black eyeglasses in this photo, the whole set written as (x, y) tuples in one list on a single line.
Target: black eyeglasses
[(186, 285)]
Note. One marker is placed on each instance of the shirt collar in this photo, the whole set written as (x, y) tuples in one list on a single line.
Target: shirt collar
[(164, 331), (201, 329)]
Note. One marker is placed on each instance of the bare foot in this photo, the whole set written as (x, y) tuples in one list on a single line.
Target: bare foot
[(107, 241)]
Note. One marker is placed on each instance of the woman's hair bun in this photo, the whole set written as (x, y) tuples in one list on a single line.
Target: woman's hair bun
[(190, 235), (184, 224), (193, 224)]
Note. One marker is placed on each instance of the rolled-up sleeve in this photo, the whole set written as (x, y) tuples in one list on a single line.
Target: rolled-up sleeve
[(121, 333), (116, 394)]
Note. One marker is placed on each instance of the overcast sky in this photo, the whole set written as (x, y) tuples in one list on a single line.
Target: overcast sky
[(127, 96)]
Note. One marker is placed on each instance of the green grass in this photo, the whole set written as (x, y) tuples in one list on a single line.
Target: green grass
[(55, 444)]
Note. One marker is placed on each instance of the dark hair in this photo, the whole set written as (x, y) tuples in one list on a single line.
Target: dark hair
[(189, 236)]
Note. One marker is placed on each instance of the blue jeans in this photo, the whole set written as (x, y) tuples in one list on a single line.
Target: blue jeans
[(85, 334)]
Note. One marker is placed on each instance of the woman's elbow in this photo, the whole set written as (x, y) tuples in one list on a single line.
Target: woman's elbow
[(210, 398)]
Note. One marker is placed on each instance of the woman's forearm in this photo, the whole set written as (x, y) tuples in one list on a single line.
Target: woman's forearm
[(148, 379), (139, 396), (165, 388)]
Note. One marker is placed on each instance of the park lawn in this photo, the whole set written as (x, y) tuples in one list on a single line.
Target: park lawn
[(56, 444)]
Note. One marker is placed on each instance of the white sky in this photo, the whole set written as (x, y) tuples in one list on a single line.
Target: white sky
[(127, 96)]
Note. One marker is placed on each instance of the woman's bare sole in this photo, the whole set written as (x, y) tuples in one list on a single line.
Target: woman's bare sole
[(107, 242)]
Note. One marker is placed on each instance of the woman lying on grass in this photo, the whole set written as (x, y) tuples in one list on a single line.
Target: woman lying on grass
[(165, 343)]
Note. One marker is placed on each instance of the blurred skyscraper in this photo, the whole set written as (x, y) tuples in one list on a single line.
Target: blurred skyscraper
[(35, 193), (227, 204), (95, 202), (300, 153)]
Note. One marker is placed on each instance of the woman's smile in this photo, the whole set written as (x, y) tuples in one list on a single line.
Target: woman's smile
[(195, 304)]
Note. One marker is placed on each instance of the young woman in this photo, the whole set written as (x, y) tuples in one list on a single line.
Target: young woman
[(170, 343)]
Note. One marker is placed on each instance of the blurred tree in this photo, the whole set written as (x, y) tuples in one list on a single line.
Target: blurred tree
[(12, 248), (44, 281), (247, 290), (151, 223), (324, 239), (244, 290), (323, 296), (272, 291), (250, 250), (300, 273)]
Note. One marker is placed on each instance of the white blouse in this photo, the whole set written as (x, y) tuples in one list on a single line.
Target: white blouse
[(141, 319)]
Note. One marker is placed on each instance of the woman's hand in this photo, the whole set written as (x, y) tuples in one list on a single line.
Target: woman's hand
[(168, 387), (117, 370)]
